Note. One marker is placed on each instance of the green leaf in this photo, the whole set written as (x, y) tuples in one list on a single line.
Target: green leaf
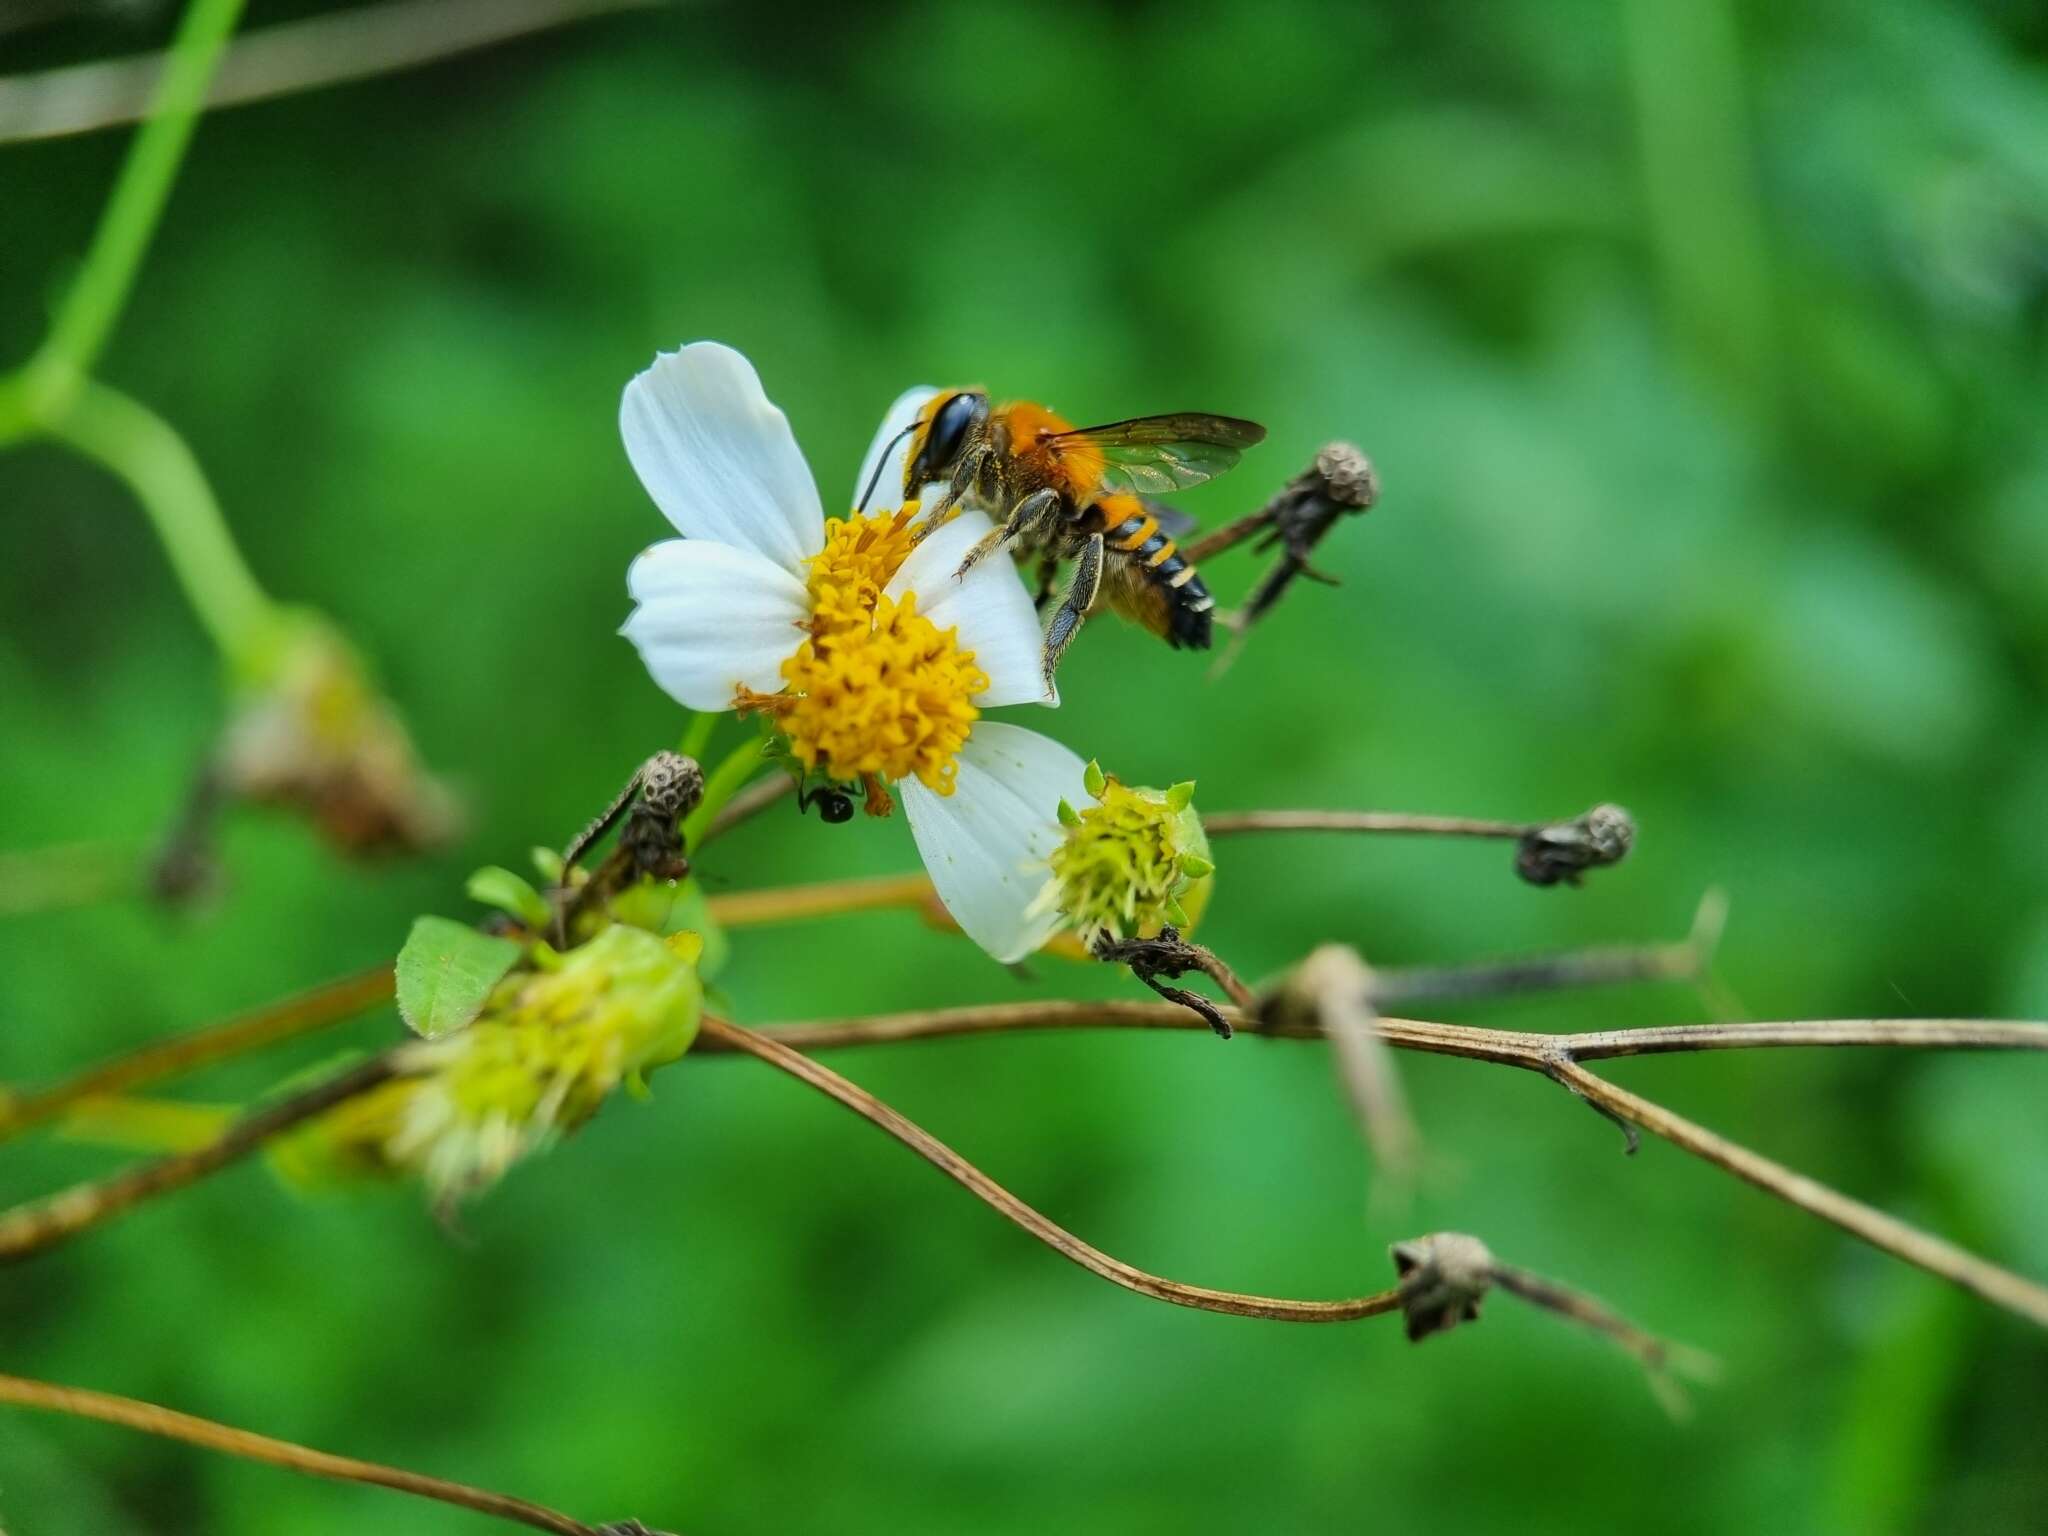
[(498, 887), (446, 972)]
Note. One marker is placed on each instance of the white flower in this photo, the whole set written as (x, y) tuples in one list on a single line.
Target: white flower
[(873, 658)]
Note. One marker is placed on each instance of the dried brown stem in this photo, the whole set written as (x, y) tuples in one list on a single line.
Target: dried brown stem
[(149, 1419), (749, 802), (1225, 823), (732, 1037), (29, 1229), (317, 1009), (1999, 1286), (826, 898), (280, 60), (1553, 1056)]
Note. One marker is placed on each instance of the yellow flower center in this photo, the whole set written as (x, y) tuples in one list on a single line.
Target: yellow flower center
[(891, 700), (877, 691), (859, 557)]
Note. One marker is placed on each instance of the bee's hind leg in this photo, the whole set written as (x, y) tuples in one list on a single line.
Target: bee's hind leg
[(1074, 606), (1028, 511)]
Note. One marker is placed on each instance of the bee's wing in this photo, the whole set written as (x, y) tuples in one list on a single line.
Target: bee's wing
[(1172, 521), (1152, 455)]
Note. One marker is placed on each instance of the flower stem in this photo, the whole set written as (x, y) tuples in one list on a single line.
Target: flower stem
[(139, 447), (58, 372), (724, 782)]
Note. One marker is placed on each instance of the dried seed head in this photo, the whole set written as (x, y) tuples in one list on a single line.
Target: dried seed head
[(1563, 851), (1444, 1276)]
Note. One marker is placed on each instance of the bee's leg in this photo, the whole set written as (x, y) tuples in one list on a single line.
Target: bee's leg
[(1048, 572), (1080, 597), (965, 473), (1028, 511)]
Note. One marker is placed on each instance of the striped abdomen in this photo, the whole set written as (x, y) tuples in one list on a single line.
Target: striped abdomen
[(1161, 589)]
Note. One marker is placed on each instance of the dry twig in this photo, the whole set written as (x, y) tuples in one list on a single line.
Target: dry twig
[(296, 56), (169, 1424)]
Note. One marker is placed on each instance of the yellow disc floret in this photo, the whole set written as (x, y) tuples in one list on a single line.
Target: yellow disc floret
[(878, 691), (860, 555), (893, 698)]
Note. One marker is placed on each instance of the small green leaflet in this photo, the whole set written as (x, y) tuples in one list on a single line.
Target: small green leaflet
[(496, 887), (446, 972)]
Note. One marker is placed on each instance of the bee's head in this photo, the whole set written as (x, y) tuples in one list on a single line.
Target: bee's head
[(944, 427)]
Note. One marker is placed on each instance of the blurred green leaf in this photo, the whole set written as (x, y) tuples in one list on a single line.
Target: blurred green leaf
[(446, 972), (496, 886)]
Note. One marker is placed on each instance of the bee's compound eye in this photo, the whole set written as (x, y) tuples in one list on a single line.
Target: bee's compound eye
[(949, 432), (835, 807)]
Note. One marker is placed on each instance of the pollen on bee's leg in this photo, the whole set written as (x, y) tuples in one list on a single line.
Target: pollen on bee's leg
[(878, 802)]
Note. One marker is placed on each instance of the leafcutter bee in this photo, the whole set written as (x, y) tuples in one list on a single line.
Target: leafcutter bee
[(1061, 492)]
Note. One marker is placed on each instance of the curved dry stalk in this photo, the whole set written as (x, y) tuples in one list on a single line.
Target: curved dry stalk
[(749, 802), (334, 1003), (29, 1229), (167, 1423), (280, 60), (1398, 823), (1553, 1056), (825, 898), (1925, 1251), (1007, 1205)]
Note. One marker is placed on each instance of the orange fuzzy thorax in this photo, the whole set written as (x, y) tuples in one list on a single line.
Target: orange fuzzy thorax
[(1073, 464)]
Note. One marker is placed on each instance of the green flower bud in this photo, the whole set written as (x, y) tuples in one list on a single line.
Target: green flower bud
[(1134, 861), (548, 1049)]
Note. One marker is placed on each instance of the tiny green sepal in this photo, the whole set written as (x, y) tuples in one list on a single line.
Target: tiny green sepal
[(1194, 866), (1177, 915), (1181, 795), (1093, 779), (498, 887), (446, 972), (1069, 817)]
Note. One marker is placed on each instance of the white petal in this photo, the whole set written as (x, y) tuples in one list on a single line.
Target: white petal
[(889, 489), (711, 617), (986, 845), (988, 605), (718, 457)]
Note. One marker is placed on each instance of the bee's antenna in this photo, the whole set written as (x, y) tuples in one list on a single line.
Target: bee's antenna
[(881, 463)]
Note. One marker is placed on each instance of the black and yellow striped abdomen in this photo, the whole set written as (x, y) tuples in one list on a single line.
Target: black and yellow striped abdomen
[(1179, 603)]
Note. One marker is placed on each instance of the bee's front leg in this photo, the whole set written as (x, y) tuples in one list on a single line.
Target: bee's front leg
[(1080, 597), (1028, 511)]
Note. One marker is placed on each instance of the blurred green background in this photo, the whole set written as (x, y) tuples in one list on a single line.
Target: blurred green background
[(1700, 346)]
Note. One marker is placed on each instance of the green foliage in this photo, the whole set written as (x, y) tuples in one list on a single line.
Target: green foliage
[(446, 972), (496, 886), (1764, 564)]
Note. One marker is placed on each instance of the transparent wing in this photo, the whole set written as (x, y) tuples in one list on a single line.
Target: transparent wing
[(1153, 455)]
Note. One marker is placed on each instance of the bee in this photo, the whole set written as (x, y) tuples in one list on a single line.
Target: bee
[(1061, 492)]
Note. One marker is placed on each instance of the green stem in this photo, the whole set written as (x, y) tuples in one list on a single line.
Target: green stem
[(143, 450), (57, 373), (725, 781), (697, 734)]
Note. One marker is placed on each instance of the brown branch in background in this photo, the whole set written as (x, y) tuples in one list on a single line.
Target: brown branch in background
[(333, 49), (982, 1187), (1922, 1249), (334, 1003), (749, 802), (826, 898), (1446, 1275), (1551, 1055), (30, 1229), (1546, 853), (149, 1419), (1334, 991)]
